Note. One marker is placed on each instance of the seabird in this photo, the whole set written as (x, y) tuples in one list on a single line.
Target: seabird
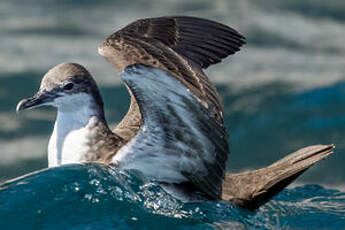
[(178, 142), (175, 48)]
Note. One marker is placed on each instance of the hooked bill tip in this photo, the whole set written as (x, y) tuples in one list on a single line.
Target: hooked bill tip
[(20, 106)]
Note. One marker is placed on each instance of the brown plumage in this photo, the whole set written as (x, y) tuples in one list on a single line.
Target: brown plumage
[(183, 46), (252, 189)]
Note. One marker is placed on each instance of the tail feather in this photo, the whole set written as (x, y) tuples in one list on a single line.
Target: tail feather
[(251, 189)]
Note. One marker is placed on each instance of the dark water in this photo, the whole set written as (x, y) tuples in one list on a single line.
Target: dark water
[(283, 91), (93, 196), (264, 122)]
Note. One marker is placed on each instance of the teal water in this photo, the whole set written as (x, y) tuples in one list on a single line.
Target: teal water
[(283, 91), (94, 196), (265, 123)]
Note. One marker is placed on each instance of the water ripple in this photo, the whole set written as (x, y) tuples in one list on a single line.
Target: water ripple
[(94, 196)]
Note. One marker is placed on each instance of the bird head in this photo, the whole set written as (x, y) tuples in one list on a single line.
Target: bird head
[(67, 86)]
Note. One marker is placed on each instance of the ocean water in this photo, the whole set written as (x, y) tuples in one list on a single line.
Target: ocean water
[(93, 196), (284, 90)]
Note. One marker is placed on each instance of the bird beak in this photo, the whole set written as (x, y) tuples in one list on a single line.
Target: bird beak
[(39, 99)]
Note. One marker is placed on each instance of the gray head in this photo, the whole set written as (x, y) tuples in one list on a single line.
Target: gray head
[(67, 86)]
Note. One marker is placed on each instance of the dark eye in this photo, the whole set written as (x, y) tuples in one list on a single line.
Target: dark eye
[(68, 86)]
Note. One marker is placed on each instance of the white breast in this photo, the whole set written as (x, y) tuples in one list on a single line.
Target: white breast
[(69, 142), (68, 147)]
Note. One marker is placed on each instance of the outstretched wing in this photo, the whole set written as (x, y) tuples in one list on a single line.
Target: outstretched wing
[(182, 46), (178, 141), (202, 41)]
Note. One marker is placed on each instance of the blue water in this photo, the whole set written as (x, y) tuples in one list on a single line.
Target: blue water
[(284, 90), (94, 196)]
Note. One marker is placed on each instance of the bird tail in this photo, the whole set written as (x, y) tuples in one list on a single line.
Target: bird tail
[(251, 189)]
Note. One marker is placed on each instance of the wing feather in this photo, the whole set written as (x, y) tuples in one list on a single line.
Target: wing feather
[(181, 45), (178, 138)]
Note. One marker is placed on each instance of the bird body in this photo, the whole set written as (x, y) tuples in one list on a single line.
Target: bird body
[(181, 47), (173, 131), (178, 144), (178, 141)]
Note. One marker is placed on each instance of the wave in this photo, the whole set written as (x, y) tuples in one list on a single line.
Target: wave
[(95, 196)]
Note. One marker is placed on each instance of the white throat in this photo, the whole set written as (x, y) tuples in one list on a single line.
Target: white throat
[(69, 142)]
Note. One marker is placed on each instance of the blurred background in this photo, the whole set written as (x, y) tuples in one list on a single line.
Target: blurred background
[(284, 90)]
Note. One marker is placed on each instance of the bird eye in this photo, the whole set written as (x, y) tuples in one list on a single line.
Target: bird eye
[(68, 86)]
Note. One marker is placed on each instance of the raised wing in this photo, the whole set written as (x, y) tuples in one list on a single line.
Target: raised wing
[(181, 46), (178, 141), (202, 41)]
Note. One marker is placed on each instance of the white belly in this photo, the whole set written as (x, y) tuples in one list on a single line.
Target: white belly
[(71, 148), (69, 142)]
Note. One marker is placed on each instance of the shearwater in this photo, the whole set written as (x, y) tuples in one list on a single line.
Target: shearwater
[(81, 132)]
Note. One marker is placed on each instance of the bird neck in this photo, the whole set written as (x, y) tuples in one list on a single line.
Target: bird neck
[(72, 140)]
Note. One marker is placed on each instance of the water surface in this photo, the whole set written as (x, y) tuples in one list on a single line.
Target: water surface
[(94, 196), (283, 91)]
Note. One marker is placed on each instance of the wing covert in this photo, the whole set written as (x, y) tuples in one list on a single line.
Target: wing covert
[(202, 41), (180, 45), (178, 139)]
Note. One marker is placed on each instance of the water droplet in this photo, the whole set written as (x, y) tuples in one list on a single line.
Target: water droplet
[(94, 182), (95, 200), (88, 196)]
